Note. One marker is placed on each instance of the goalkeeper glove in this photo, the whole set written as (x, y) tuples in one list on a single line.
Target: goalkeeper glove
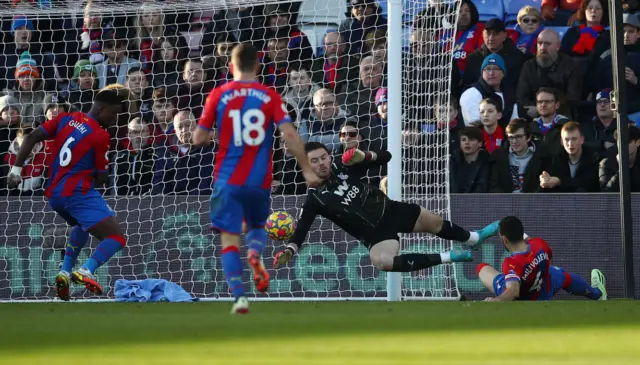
[(282, 257), (353, 156)]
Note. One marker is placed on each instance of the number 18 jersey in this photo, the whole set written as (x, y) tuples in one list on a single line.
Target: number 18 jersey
[(531, 269), (245, 114), (79, 150)]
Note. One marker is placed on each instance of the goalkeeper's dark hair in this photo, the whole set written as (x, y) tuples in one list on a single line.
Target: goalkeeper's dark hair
[(245, 57), (511, 227), (312, 146)]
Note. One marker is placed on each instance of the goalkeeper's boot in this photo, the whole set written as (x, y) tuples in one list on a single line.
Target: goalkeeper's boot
[(598, 281), (241, 306), (486, 233), (86, 278), (460, 256), (62, 286), (260, 274)]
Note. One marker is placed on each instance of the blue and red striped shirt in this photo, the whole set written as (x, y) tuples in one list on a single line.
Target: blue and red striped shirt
[(78, 151), (245, 114), (531, 269)]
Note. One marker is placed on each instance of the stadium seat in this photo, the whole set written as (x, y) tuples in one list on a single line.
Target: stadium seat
[(635, 118), (561, 30), (489, 9), (512, 7)]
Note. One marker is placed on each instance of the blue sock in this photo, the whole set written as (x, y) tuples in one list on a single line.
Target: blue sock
[(232, 267), (77, 239), (576, 285), (257, 239), (105, 250)]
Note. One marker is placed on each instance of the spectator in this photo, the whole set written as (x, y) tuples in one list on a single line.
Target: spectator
[(492, 131), (528, 28), (150, 29), (575, 168), (610, 169), (138, 85), (195, 87), (30, 91), (366, 17), (10, 121), (167, 68), (116, 66), (299, 92), (468, 34), (553, 69), (179, 167), (361, 93), (224, 46), (631, 6), (448, 116), (495, 42), (599, 131), (55, 104), (470, 164), (518, 166), (85, 76), (22, 30), (133, 167), (604, 73), (382, 105), (423, 74), (590, 39), (164, 109), (558, 12), (94, 31), (279, 23), (490, 85), (547, 127), (33, 171), (335, 68), (324, 120), (275, 63)]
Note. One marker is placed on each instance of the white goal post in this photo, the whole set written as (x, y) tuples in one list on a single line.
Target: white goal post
[(172, 52)]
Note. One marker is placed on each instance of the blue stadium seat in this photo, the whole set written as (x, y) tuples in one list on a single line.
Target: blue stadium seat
[(635, 118), (489, 9), (512, 7), (561, 30)]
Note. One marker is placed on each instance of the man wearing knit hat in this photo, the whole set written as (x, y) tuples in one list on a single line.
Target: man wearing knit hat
[(85, 77), (493, 71), (21, 30), (495, 42), (29, 90)]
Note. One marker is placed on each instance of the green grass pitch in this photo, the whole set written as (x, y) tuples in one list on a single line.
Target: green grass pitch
[(322, 333)]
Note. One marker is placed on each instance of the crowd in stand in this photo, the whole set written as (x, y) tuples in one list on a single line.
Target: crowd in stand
[(528, 110)]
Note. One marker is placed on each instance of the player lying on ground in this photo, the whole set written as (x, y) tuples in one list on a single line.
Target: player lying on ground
[(365, 212), (528, 275), (80, 161), (244, 114)]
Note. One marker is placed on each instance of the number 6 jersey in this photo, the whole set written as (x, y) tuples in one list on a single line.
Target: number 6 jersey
[(79, 150), (244, 114)]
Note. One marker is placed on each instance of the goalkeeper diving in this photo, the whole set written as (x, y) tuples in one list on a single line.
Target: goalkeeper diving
[(366, 213)]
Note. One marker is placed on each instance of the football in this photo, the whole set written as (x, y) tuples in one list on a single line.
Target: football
[(280, 226)]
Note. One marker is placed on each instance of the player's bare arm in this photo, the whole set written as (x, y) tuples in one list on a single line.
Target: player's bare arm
[(33, 138), (203, 137), (512, 292), (294, 144)]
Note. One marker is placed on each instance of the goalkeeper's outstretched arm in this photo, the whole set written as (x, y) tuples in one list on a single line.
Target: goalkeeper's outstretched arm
[(299, 235)]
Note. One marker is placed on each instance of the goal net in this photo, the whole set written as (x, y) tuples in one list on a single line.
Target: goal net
[(330, 69)]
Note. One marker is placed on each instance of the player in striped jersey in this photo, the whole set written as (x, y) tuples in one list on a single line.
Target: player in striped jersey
[(528, 275), (79, 162), (244, 114)]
